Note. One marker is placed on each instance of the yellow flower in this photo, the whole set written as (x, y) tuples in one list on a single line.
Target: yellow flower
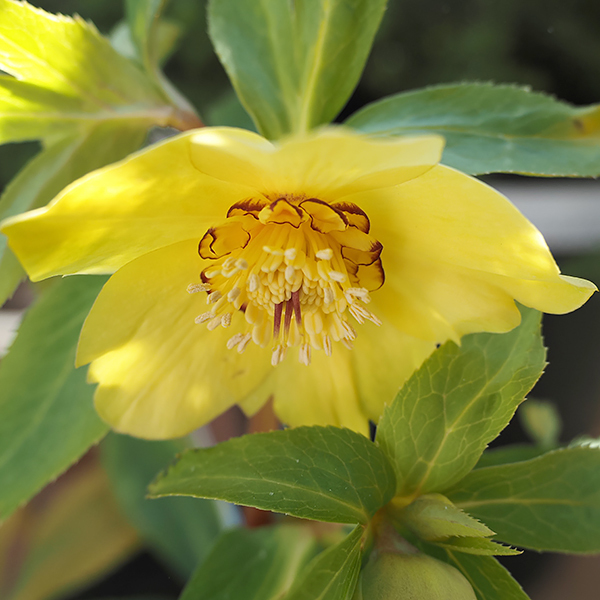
[(238, 262)]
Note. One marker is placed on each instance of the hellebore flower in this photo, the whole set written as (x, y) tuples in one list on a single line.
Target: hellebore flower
[(321, 270)]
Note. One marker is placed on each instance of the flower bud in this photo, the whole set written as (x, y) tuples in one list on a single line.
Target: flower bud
[(411, 577)]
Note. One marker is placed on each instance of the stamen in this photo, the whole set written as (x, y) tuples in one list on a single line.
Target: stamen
[(213, 297), (213, 323), (194, 288), (278, 355), (327, 345), (234, 292), (356, 292), (348, 330), (290, 274), (347, 343), (337, 276), (234, 341), (244, 343), (281, 271), (325, 254), (253, 282), (304, 354)]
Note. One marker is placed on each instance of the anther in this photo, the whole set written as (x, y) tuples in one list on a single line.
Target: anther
[(213, 297), (328, 295), (356, 292), (226, 320), (337, 276), (304, 354), (278, 355), (194, 288), (234, 292), (244, 343), (203, 317), (253, 282), (213, 323), (348, 330), (327, 345), (290, 253), (348, 343), (325, 254), (290, 274), (234, 341)]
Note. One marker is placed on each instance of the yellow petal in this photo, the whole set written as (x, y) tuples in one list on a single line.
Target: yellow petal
[(335, 162), (455, 255), (436, 301), (160, 374), (383, 358), (324, 393), (450, 217), (152, 199)]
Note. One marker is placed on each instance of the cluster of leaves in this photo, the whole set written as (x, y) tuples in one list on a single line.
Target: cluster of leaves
[(91, 103), (429, 441)]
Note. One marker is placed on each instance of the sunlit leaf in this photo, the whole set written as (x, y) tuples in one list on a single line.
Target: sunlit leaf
[(300, 70), (547, 503), (321, 473), (456, 403), (47, 417), (494, 129), (180, 530), (71, 535), (255, 564)]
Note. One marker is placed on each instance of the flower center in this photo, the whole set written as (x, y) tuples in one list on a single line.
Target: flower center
[(296, 268)]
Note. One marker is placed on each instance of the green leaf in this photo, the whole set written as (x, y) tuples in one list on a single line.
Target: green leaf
[(509, 454), (180, 530), (332, 575), (47, 418), (548, 503), (67, 77), (477, 546), (255, 564), (321, 473), (167, 36), (541, 420), (11, 273), (489, 579), (142, 16), (300, 70), (494, 129), (53, 169), (69, 536), (434, 517), (456, 403)]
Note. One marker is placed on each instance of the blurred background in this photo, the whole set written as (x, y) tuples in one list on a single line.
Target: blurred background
[(549, 45)]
